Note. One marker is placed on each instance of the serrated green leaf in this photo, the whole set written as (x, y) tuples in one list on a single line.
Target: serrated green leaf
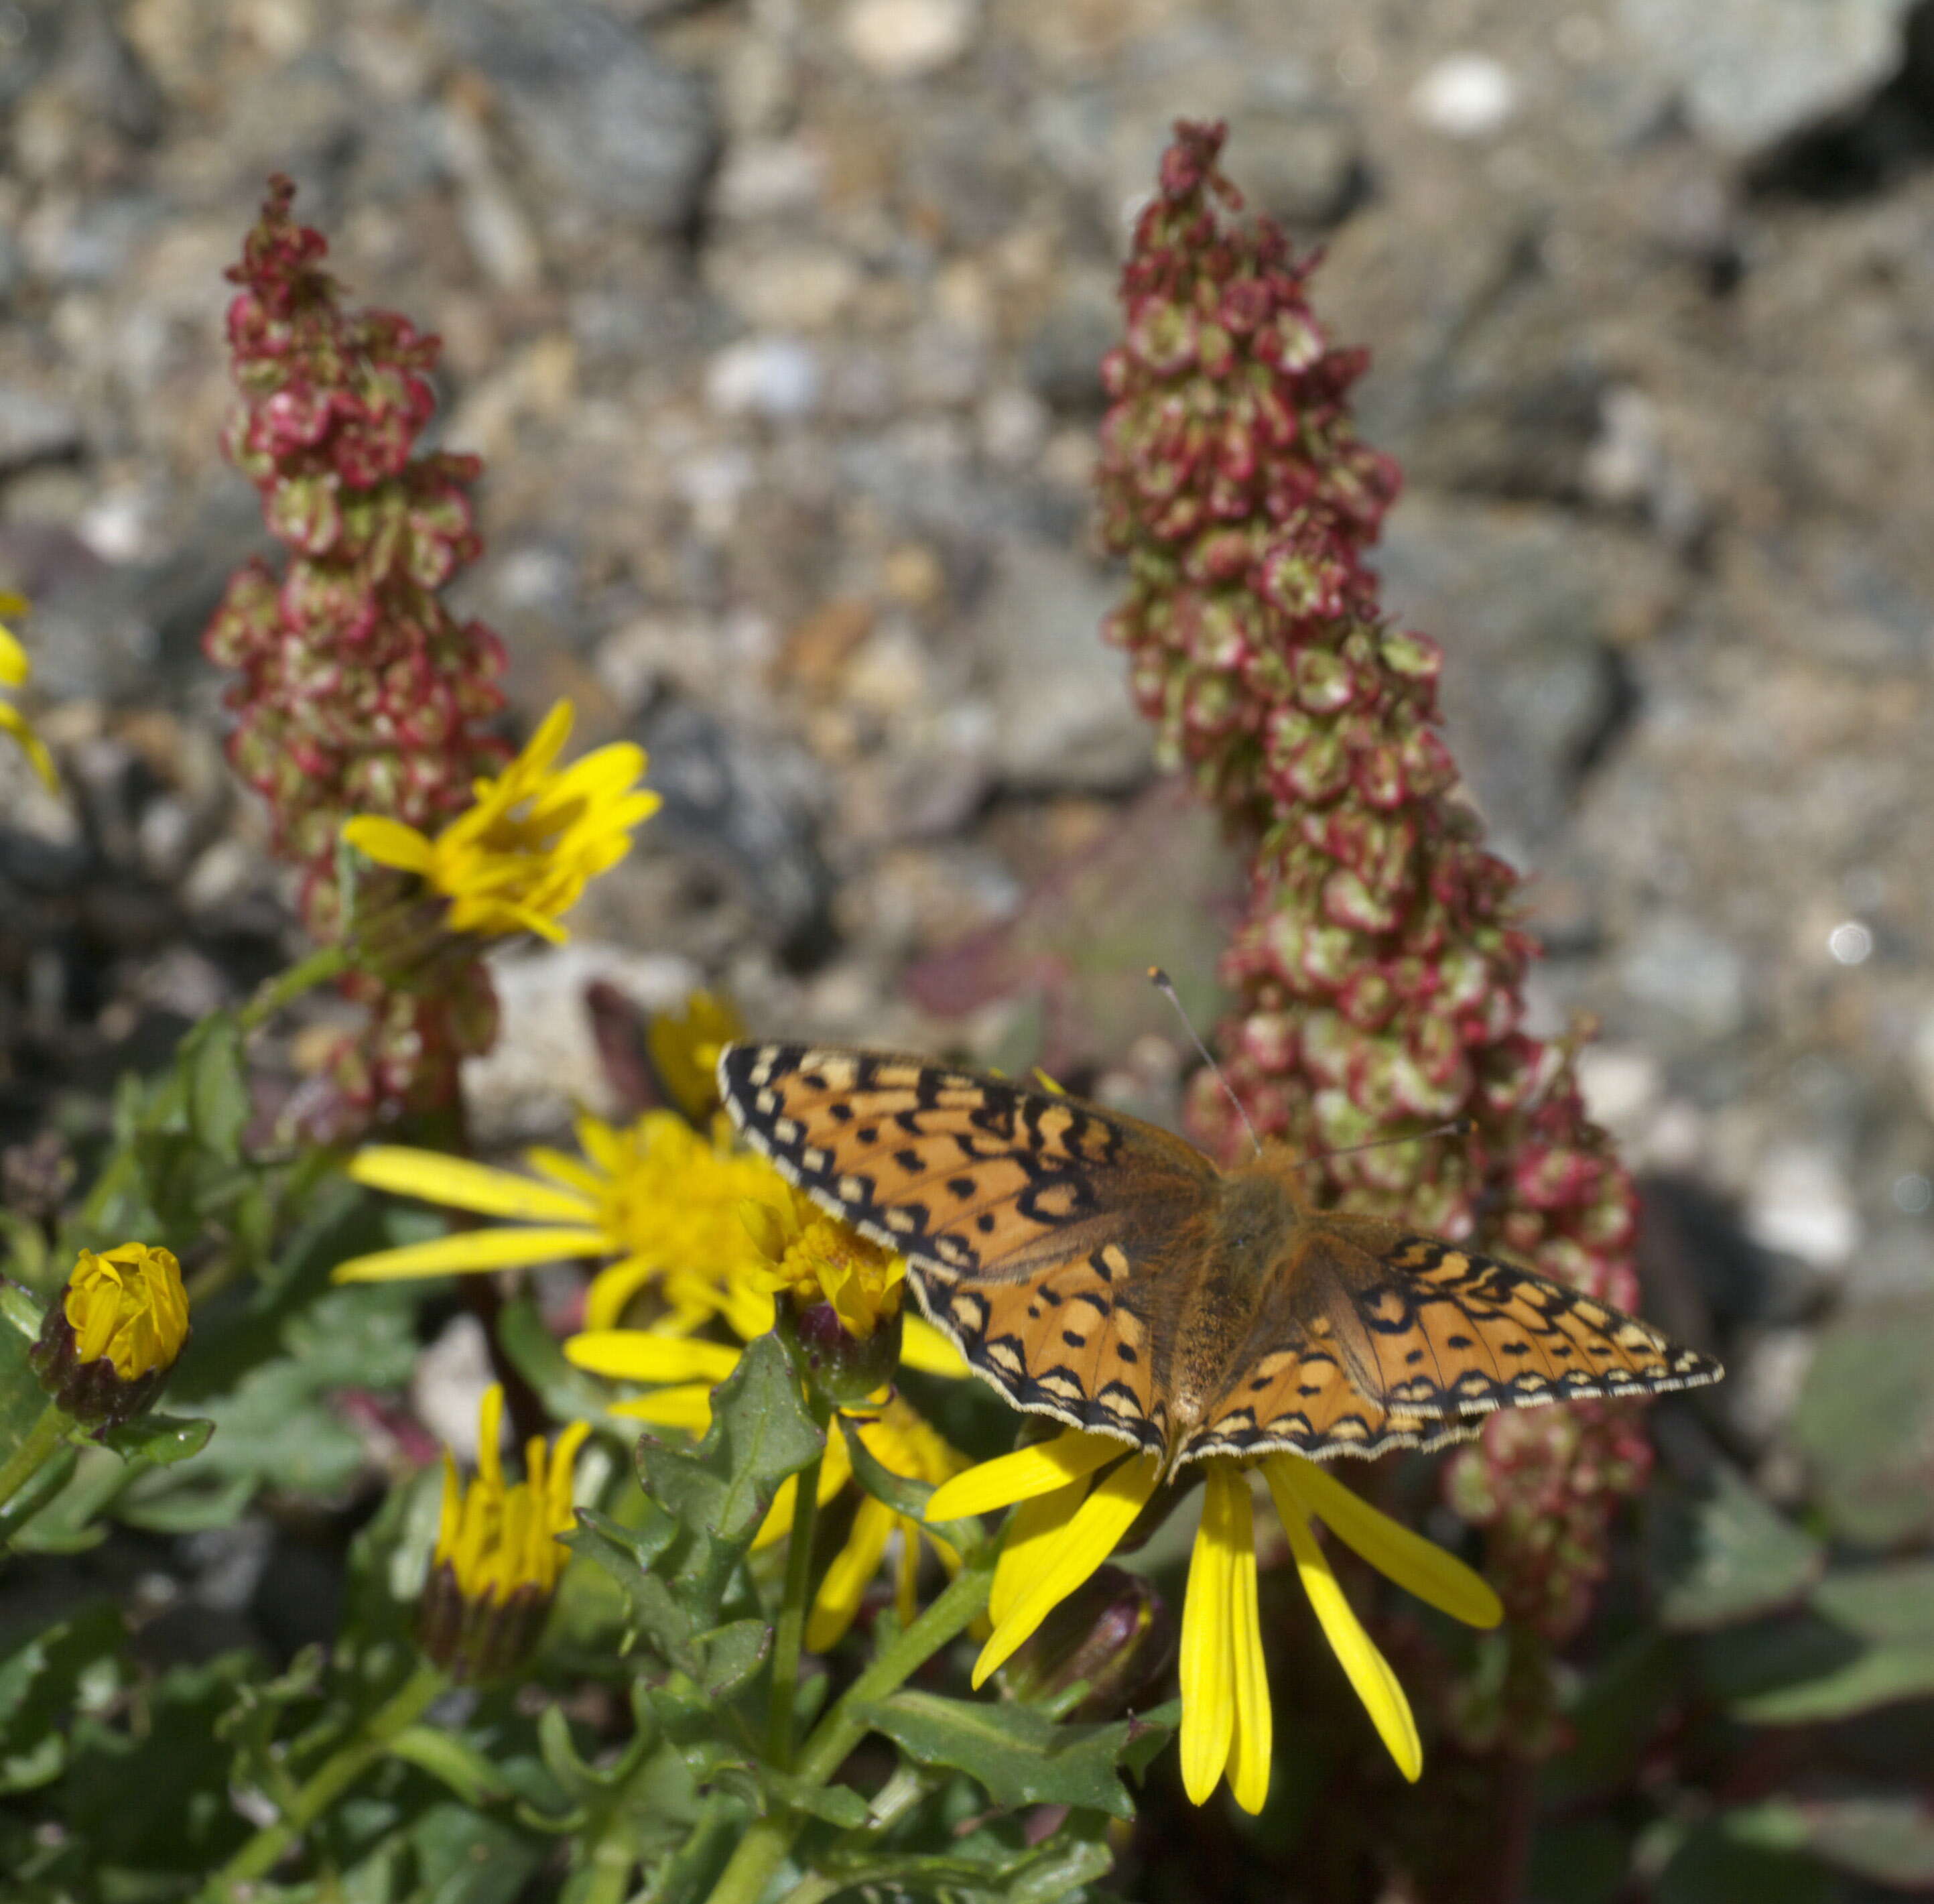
[(720, 1492), (1719, 1554), (630, 1555), (1022, 1757), (730, 1654), (456, 1761)]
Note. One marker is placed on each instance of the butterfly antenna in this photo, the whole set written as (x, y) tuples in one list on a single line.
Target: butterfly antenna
[(1456, 1127), (1165, 985)]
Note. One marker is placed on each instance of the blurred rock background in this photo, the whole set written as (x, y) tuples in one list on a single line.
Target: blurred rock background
[(778, 322)]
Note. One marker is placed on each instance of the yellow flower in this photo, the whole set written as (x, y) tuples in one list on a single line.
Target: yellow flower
[(14, 669), (1078, 1495), (684, 1049), (498, 1557), (657, 1195), (129, 1305), (815, 1258), (105, 1348), (519, 856)]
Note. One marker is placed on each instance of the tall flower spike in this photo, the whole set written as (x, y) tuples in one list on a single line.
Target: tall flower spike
[(498, 1559), (357, 690), (107, 1346), (1380, 968)]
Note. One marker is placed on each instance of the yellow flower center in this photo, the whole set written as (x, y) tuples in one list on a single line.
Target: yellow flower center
[(817, 1259), (127, 1304)]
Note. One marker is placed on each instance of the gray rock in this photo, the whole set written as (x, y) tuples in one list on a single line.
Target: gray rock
[(1753, 73), (1064, 720), (1303, 165), (1063, 354), (1686, 973), (34, 429), (611, 123)]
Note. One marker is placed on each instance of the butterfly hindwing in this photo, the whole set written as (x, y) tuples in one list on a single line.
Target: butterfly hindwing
[(1300, 1398), (1445, 1331), (1073, 1340)]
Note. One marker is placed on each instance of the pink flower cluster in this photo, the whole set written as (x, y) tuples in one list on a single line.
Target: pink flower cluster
[(358, 691), (1381, 964)]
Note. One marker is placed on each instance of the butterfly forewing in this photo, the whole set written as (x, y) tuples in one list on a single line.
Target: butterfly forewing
[(1047, 1237)]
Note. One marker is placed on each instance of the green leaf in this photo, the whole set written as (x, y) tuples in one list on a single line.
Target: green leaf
[(1865, 1423), (730, 1654), (1717, 1864), (835, 1805), (158, 1440), (456, 1761), (39, 1685), (906, 1496), (566, 1391), (630, 1555), (1719, 1554), (1022, 1757), (217, 1084), (720, 1492), (1865, 1640)]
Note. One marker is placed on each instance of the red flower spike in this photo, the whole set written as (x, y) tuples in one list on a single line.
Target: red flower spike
[(356, 690), (1380, 968)]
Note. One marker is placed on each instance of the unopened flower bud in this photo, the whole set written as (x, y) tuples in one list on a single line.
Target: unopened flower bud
[(841, 1369), (498, 1559), (1115, 1634), (108, 1343)]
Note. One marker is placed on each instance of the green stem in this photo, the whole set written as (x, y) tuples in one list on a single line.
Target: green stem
[(766, 1841), (42, 1440), (327, 962), (326, 1784), (789, 1633)]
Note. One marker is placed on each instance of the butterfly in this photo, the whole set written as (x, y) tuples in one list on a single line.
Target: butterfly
[(1103, 1271)]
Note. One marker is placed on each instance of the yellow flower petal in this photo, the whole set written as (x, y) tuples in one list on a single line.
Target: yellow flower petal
[(468, 1250), (1100, 1521), (1031, 1537), (1207, 1663), (458, 1184), (1023, 1474), (389, 842), (923, 1348), (1252, 1742), (688, 1407), (844, 1584), (1369, 1673), (639, 1355), (1419, 1566)]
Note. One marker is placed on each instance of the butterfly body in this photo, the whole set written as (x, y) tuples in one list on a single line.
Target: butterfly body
[(1103, 1271)]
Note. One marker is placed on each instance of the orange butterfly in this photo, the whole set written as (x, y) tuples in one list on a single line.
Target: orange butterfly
[(1103, 1271)]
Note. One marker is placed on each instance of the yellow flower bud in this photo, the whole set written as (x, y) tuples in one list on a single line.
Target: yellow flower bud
[(107, 1345)]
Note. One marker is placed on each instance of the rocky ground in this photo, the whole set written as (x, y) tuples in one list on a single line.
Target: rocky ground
[(778, 322)]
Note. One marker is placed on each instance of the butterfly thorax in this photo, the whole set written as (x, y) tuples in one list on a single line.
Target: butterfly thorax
[(1252, 1228)]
